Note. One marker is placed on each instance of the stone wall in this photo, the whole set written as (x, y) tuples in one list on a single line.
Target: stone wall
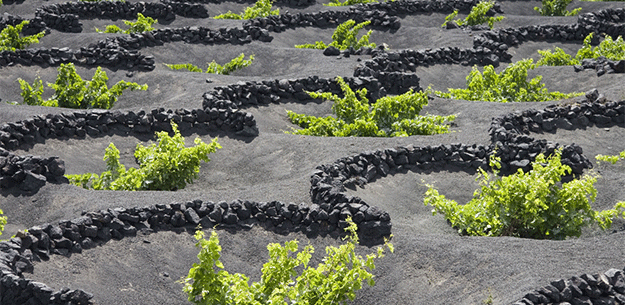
[(605, 288), (97, 228), (121, 52), (383, 15)]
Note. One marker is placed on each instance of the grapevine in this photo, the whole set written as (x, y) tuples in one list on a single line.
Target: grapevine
[(10, 39), (390, 116), (344, 37), (143, 24), (477, 15), (72, 91), (511, 85), (168, 165), (286, 278), (235, 64), (261, 9), (532, 205), (556, 8)]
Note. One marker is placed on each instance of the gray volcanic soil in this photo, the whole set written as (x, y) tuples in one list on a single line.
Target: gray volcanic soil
[(432, 264)]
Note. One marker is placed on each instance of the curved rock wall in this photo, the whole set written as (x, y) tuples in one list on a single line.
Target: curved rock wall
[(34, 26), (96, 228), (293, 3), (121, 52), (245, 94), (110, 10), (491, 47), (604, 288), (382, 15)]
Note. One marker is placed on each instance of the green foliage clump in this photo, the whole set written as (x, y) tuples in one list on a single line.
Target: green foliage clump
[(390, 116), (556, 8), (189, 67), (510, 85), (3, 219), (334, 281), (143, 24), (10, 39), (532, 205), (72, 91), (477, 15), (344, 37), (167, 166), (609, 48), (261, 9), (237, 63), (557, 58), (611, 159), (349, 2)]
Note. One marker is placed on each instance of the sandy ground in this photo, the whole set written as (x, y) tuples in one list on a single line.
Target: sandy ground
[(432, 263)]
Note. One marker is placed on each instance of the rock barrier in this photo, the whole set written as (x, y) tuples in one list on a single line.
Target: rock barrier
[(34, 26), (383, 15), (109, 56), (292, 3), (246, 94), (602, 65), (109, 10), (29, 172), (408, 60), (121, 52), (603, 288), (96, 228), (491, 47)]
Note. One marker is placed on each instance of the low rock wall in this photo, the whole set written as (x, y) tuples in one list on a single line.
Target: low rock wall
[(96, 228), (382, 15), (110, 10), (34, 26), (604, 288), (121, 52), (29, 172), (491, 47), (245, 94), (292, 3), (409, 60)]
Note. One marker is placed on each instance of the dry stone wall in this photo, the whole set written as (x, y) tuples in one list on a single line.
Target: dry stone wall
[(604, 288)]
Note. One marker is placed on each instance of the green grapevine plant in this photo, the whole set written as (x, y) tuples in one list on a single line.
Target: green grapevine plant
[(261, 9), (349, 2), (611, 159), (609, 48), (557, 58), (334, 281), (10, 39), (143, 24), (477, 15), (535, 204), (390, 116), (556, 8), (235, 64), (344, 37), (510, 85), (3, 221), (168, 165), (71, 91)]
